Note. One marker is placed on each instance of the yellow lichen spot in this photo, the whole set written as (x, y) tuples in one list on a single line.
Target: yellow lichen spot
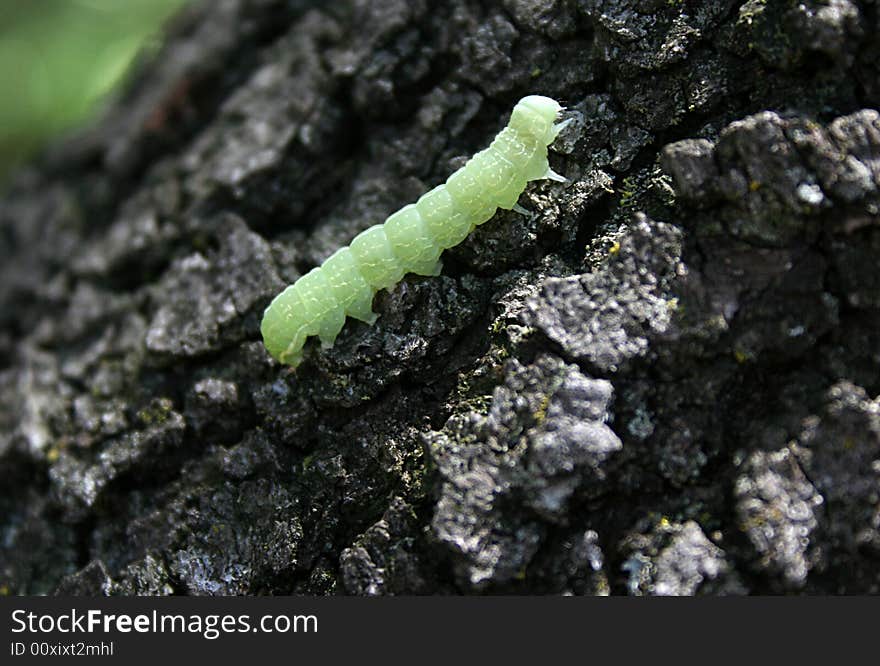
[(541, 412), (156, 412), (4, 590), (719, 322), (672, 304), (53, 454), (627, 192), (664, 522), (754, 186), (536, 72), (740, 356), (614, 249)]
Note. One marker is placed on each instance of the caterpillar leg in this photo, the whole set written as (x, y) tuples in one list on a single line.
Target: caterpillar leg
[(552, 175), (365, 315), (427, 268), (558, 127), (525, 212), (293, 354), (361, 307), (331, 325), (292, 359), (437, 269)]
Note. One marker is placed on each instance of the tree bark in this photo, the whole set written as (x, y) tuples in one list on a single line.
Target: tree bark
[(661, 381)]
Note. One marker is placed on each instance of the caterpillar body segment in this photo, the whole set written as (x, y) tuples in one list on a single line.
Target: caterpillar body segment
[(412, 239), (447, 224), (348, 285), (412, 242)]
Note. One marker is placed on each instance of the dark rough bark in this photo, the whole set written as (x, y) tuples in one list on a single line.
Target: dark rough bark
[(662, 382)]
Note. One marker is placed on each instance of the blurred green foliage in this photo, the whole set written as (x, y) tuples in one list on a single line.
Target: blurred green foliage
[(59, 58)]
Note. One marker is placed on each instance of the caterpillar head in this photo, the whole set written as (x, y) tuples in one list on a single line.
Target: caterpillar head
[(536, 115)]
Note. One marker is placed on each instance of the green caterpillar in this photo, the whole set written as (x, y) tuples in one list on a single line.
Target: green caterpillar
[(412, 239)]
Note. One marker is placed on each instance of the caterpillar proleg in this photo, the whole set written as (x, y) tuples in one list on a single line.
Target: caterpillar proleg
[(412, 239)]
